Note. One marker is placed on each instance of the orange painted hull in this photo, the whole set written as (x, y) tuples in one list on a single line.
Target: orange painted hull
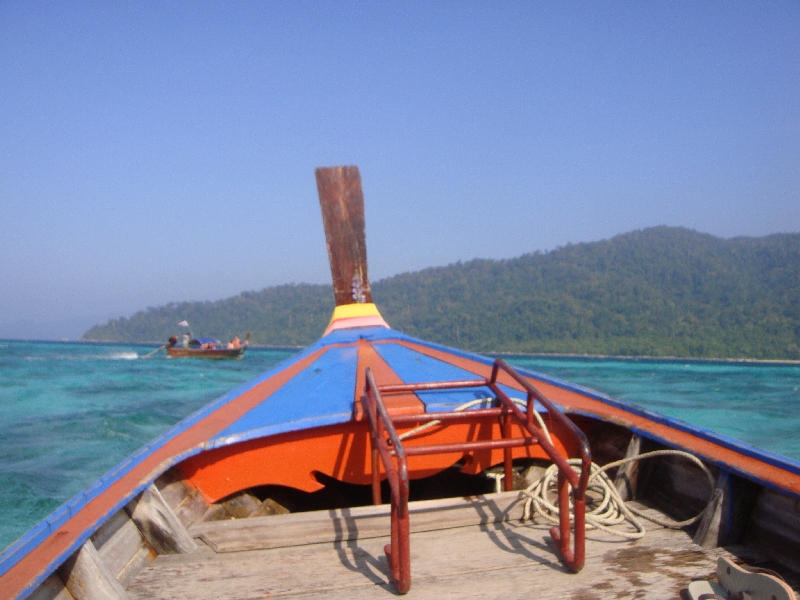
[(341, 452)]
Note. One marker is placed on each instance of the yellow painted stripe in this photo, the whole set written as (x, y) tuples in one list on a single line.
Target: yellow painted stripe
[(348, 311)]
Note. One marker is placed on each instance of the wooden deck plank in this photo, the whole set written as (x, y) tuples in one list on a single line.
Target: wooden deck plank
[(495, 560), (354, 523)]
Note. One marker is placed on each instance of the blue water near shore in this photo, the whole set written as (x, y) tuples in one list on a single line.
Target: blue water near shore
[(69, 412)]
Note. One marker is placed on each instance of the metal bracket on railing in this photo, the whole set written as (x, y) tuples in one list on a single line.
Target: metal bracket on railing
[(387, 446)]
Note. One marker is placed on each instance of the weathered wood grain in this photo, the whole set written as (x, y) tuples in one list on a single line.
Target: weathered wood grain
[(625, 480), (87, 578), (354, 523), (140, 560), (342, 203), (185, 501), (774, 528), (711, 528), (241, 505), (679, 487), (268, 508), (51, 588), (496, 560), (159, 525), (118, 541), (173, 488), (191, 509)]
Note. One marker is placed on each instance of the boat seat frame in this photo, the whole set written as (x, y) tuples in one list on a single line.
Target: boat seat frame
[(386, 445)]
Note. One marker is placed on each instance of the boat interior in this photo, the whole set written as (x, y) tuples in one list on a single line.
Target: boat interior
[(467, 539)]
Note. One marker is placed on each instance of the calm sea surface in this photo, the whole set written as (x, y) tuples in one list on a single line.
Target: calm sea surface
[(69, 412)]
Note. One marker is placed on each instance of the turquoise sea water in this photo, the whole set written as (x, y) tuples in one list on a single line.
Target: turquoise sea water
[(69, 412), (757, 403)]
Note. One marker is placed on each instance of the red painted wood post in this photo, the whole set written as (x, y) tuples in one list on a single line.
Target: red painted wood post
[(342, 203)]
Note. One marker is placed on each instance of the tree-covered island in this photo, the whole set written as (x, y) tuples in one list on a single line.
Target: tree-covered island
[(663, 291)]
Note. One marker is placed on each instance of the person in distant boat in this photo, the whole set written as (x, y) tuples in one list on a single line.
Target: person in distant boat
[(185, 340), (173, 341), (235, 342)]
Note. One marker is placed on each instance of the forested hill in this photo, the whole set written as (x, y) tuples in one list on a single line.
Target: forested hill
[(663, 291)]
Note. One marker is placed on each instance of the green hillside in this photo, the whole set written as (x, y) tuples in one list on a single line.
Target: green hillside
[(662, 291)]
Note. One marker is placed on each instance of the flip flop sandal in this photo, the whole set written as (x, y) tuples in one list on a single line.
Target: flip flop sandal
[(758, 584)]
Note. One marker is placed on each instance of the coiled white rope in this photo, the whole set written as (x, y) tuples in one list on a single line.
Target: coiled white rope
[(611, 511)]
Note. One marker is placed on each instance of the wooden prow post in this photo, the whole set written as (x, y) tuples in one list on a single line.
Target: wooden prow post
[(342, 203)]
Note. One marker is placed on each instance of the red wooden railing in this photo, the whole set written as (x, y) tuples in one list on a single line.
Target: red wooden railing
[(386, 444)]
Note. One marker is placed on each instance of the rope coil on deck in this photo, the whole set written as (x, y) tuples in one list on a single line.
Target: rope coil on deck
[(612, 510)]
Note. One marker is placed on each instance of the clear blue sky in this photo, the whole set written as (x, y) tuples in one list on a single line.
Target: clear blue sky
[(154, 152)]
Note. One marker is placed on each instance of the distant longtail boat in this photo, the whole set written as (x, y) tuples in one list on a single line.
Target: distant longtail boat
[(206, 348)]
